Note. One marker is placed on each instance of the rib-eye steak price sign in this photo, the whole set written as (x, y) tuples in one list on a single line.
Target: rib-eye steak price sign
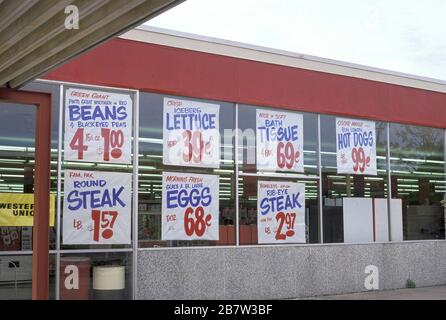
[(281, 212)]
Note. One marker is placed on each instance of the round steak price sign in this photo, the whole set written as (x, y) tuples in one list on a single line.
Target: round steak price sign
[(191, 134), (356, 146), (281, 212), (98, 126), (279, 141), (97, 207), (190, 209)]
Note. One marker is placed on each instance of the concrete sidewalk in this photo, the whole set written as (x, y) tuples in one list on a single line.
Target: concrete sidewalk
[(425, 293)]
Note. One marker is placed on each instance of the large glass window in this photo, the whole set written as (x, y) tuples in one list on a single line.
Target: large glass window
[(418, 179), (248, 188), (96, 276), (17, 149), (250, 174), (151, 169), (336, 187), (99, 168)]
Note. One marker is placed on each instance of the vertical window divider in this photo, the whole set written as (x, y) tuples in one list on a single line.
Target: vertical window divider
[(389, 185), (135, 194), (59, 188), (444, 168), (237, 211), (319, 166)]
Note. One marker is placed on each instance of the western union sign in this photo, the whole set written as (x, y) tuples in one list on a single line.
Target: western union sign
[(17, 210)]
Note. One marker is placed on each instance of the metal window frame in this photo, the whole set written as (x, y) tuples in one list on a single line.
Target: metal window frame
[(63, 85)]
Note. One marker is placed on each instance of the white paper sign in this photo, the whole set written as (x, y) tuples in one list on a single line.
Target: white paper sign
[(191, 134), (97, 207), (98, 126), (279, 141), (281, 212), (356, 146), (190, 209)]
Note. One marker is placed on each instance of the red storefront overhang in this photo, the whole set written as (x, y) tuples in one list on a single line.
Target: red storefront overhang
[(169, 70)]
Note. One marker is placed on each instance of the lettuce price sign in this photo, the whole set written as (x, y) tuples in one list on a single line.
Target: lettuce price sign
[(279, 141), (191, 134), (98, 126), (190, 208), (356, 146)]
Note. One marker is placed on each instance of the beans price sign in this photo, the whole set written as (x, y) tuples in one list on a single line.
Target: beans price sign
[(98, 126), (356, 146), (190, 208), (279, 141), (281, 212), (191, 134), (97, 207)]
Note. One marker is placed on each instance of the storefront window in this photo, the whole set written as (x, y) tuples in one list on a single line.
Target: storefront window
[(99, 179), (16, 275), (96, 276), (151, 169), (418, 179), (248, 211), (337, 187), (272, 144)]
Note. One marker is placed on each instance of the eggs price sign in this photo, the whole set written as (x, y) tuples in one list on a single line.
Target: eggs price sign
[(356, 146), (279, 141), (191, 134), (98, 126), (190, 206), (281, 212), (97, 207)]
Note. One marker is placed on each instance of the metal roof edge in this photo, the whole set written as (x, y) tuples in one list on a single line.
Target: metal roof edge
[(289, 54)]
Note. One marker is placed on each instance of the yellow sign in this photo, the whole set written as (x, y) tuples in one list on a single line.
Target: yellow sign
[(17, 209)]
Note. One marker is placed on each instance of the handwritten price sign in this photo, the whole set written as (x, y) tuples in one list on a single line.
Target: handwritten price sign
[(98, 126), (356, 146), (191, 133), (97, 207), (279, 141), (190, 206), (281, 212)]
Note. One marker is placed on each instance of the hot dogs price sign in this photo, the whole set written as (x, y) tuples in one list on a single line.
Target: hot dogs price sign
[(191, 134), (97, 207), (279, 141), (281, 212), (356, 146), (98, 126), (190, 209)]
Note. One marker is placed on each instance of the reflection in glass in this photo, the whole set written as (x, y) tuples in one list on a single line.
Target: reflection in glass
[(418, 179)]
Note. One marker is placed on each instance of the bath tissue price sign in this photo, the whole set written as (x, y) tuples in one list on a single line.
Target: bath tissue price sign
[(191, 134), (98, 126), (97, 207), (190, 209), (279, 141), (281, 212), (356, 146)]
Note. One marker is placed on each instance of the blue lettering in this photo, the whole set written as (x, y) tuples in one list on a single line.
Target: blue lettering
[(184, 198), (95, 199), (280, 203), (88, 112)]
